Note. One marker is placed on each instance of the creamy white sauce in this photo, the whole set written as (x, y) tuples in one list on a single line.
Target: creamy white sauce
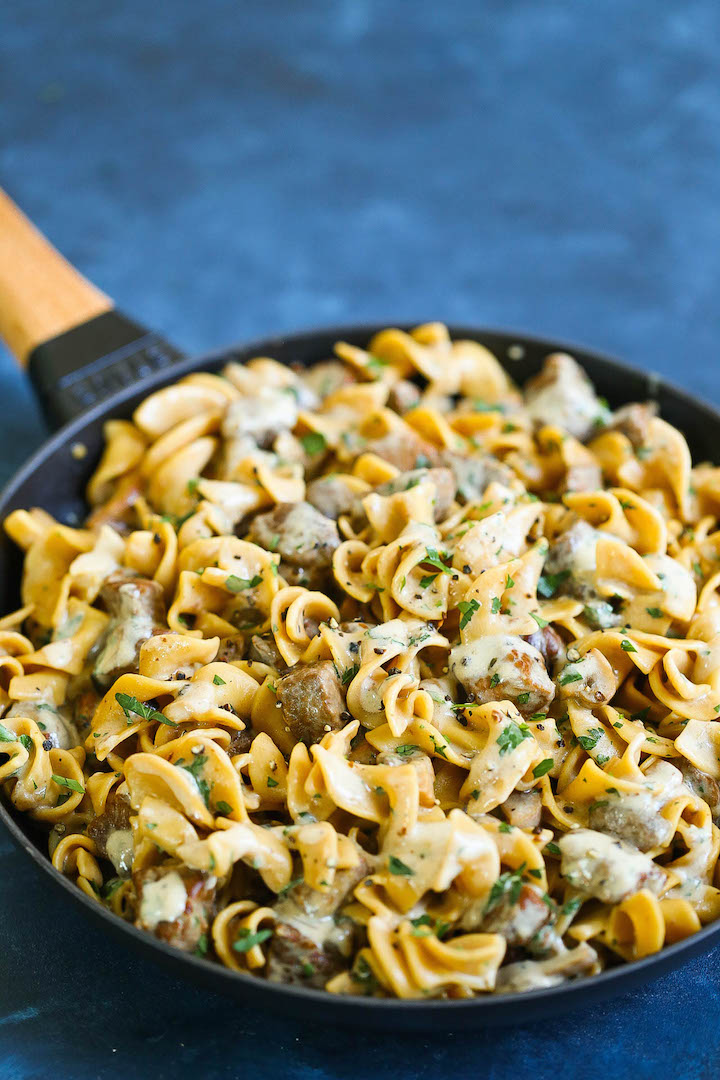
[(119, 847), (473, 661), (271, 410), (605, 867), (163, 900)]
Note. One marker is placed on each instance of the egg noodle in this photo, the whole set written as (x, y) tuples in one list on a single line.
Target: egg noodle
[(382, 676)]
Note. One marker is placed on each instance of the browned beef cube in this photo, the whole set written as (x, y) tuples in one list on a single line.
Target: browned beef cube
[(114, 818), (296, 959), (263, 650), (634, 421), (549, 644), (136, 607), (405, 450), (303, 537), (332, 496), (312, 700), (175, 904), (442, 478), (519, 918), (563, 396)]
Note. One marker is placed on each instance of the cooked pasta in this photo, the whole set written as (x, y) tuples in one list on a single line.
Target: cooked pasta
[(382, 676)]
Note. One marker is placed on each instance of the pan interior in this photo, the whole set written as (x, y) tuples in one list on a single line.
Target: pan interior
[(55, 477)]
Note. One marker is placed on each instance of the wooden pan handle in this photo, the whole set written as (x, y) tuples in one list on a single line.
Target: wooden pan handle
[(41, 294)]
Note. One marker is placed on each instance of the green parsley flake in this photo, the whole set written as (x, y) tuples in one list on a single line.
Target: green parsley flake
[(64, 781), (132, 707), (313, 443), (467, 609), (399, 868), (238, 584), (543, 767), (246, 940), (511, 736)]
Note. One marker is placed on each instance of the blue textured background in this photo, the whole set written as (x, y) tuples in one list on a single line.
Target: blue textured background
[(229, 168)]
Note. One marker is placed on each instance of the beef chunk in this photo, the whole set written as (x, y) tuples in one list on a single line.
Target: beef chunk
[(404, 395), (501, 667), (523, 809), (312, 700), (265, 651), (332, 496), (176, 904), (112, 834), (539, 974), (702, 785), (442, 478), (635, 816), (405, 450), (606, 868), (563, 396), (474, 474), (261, 416), (54, 722), (572, 560), (634, 421), (549, 644), (296, 959), (305, 538), (136, 608), (518, 918), (326, 377), (231, 648)]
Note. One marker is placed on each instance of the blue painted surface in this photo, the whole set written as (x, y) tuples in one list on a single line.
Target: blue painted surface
[(228, 169)]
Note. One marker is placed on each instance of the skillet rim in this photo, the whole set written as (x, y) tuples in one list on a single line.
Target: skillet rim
[(500, 1008)]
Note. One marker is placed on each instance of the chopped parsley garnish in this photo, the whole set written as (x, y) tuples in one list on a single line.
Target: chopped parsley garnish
[(552, 847), (495, 679), (291, 885), (223, 808), (627, 646), (467, 609), (543, 767), (508, 885), (433, 557), (523, 698), (64, 781), (349, 674), (246, 939), (271, 782), (548, 584), (313, 443), (7, 736), (511, 736), (509, 582), (504, 827), (217, 681), (131, 706), (195, 771), (591, 738), (439, 749), (238, 584), (654, 612), (495, 605), (427, 580), (568, 677), (542, 623), (398, 867), (406, 748), (571, 906)]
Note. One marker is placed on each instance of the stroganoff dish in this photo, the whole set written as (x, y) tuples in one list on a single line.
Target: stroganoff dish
[(383, 676)]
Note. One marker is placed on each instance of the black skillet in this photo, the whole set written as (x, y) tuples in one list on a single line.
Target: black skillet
[(89, 363)]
